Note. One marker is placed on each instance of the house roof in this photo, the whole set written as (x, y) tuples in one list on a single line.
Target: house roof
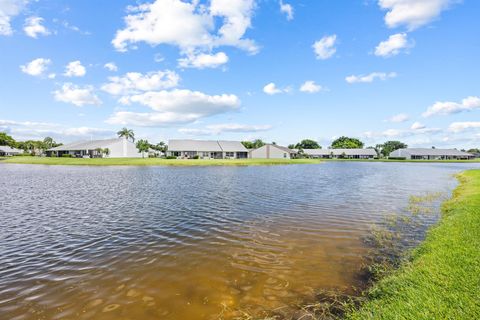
[(86, 145), (205, 145), (8, 149), (428, 152), (283, 148), (338, 152)]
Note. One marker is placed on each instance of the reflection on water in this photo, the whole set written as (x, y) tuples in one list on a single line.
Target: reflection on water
[(190, 243)]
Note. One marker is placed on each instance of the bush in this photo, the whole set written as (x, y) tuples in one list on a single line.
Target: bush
[(170, 157), (66, 155), (196, 156), (397, 158)]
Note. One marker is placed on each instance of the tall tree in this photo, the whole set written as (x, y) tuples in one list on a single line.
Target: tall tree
[(143, 146), (255, 144), (390, 146), (347, 143), (6, 140), (127, 134), (307, 144)]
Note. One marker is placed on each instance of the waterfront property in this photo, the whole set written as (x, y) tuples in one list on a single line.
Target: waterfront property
[(109, 148), (206, 149), (273, 151), (430, 154), (341, 153), (9, 151)]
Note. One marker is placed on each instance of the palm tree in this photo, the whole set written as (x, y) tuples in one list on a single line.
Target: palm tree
[(127, 134), (106, 151), (143, 146)]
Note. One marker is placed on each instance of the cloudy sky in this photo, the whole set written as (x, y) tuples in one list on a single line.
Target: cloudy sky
[(242, 69)]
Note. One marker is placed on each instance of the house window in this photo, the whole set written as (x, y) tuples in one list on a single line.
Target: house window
[(284, 155), (229, 154)]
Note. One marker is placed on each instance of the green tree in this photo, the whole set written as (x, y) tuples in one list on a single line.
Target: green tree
[(143, 146), (6, 140), (474, 150), (347, 143), (127, 134), (255, 144), (390, 146), (307, 144)]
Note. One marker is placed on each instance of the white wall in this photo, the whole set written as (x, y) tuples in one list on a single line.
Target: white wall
[(124, 149)]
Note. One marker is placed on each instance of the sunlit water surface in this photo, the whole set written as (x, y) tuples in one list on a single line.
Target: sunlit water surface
[(191, 243)]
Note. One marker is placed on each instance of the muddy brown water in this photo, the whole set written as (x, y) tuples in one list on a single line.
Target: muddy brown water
[(191, 243)]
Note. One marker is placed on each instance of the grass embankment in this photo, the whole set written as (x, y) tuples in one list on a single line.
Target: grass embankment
[(153, 161), (442, 281), (398, 160)]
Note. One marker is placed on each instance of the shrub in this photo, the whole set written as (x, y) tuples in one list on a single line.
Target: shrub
[(196, 156), (66, 155), (397, 158), (170, 157)]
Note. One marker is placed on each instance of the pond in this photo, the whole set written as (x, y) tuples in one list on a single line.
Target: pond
[(192, 242)]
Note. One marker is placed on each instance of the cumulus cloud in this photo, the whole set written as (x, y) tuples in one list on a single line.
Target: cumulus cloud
[(33, 27), (402, 133), (8, 10), (36, 67), (191, 26), (175, 107), (77, 95), (272, 89), (370, 77), (203, 60), (393, 45), (75, 69), (325, 47), (310, 87), (417, 126), (111, 66), (449, 107), (217, 129), (412, 13), (401, 117), (287, 9), (463, 126), (135, 82)]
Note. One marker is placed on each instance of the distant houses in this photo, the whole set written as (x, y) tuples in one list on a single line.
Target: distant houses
[(111, 148), (341, 153), (273, 151), (430, 154), (9, 151), (206, 149)]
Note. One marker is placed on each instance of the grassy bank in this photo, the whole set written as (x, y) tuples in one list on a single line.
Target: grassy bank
[(153, 161), (397, 160), (442, 281)]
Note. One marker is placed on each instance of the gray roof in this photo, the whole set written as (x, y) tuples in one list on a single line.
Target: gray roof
[(205, 145), (428, 152), (339, 152), (283, 148), (86, 145), (8, 149)]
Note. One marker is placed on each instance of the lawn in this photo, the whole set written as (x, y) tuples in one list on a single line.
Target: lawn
[(442, 281), (153, 161)]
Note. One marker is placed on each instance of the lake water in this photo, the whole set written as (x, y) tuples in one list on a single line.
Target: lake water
[(191, 242)]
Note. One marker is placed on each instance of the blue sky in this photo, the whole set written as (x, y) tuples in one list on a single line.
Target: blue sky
[(242, 69)]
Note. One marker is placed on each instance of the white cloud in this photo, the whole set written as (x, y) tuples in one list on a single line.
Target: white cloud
[(191, 26), (36, 67), (175, 107), (135, 82), (448, 107), (111, 66), (412, 13), (75, 69), (8, 10), (402, 133), (217, 129), (287, 9), (33, 27), (203, 60), (77, 95), (370, 77), (393, 45), (463, 126), (325, 47), (417, 126), (271, 89), (310, 87), (401, 117)]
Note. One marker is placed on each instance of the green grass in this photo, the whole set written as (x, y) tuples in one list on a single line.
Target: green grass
[(153, 161), (442, 281), (397, 160)]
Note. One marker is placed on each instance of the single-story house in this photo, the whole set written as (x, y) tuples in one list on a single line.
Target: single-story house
[(430, 154), (206, 149), (9, 151), (341, 153), (109, 148), (273, 151)]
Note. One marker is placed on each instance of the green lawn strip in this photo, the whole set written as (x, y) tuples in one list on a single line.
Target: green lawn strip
[(153, 161), (443, 279)]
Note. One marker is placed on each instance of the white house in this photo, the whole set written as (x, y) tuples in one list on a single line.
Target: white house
[(341, 153), (272, 151), (207, 149), (9, 151), (111, 148), (430, 154)]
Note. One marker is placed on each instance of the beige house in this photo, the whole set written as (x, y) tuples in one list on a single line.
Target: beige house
[(272, 151), (341, 153), (206, 149), (110, 148)]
